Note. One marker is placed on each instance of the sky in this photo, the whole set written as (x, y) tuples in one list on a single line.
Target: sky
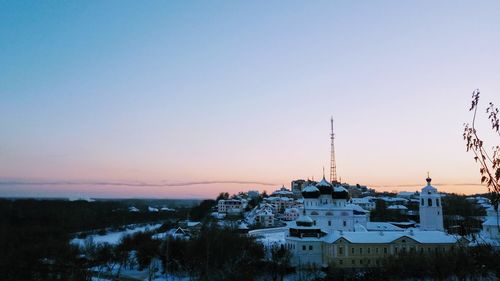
[(186, 99)]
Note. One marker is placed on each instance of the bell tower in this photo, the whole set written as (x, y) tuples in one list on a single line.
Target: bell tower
[(431, 210)]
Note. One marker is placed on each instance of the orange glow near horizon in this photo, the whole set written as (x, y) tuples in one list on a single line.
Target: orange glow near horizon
[(198, 191)]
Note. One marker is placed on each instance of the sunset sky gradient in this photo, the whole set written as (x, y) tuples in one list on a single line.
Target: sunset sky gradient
[(185, 99)]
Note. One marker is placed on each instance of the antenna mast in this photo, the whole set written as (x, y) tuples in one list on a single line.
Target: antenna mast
[(333, 167)]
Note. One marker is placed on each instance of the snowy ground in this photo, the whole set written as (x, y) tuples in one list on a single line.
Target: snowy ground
[(114, 237), (270, 236)]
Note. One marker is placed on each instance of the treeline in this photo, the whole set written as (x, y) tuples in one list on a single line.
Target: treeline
[(214, 253), (35, 234), (467, 263), (460, 216), (382, 214), (76, 216)]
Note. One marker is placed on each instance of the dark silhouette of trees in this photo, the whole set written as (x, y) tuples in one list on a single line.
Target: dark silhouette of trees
[(203, 210), (222, 196), (489, 160), (214, 254), (280, 262)]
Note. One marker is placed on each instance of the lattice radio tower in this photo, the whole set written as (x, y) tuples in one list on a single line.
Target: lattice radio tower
[(333, 167)]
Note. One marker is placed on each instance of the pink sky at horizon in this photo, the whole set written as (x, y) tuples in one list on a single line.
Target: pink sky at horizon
[(196, 191)]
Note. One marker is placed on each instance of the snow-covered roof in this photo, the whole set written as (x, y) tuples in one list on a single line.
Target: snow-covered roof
[(243, 225), (406, 193), (152, 209), (265, 210), (359, 228), (429, 189), (304, 218), (193, 223), (272, 198), (363, 200), (323, 182), (339, 188), (356, 208), (310, 188), (166, 209), (382, 226), (283, 191), (393, 199), (397, 207), (133, 209)]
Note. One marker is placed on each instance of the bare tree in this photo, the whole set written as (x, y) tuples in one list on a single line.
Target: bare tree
[(489, 160)]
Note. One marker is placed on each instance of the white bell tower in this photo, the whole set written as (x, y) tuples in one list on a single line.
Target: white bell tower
[(431, 210)]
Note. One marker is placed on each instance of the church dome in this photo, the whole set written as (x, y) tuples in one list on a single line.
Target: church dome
[(304, 220), (339, 192), (324, 187), (310, 191), (428, 189)]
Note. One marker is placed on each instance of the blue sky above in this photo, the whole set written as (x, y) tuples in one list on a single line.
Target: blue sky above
[(196, 91)]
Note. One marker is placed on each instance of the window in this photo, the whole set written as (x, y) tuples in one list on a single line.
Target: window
[(303, 247), (376, 250), (341, 250), (345, 223), (422, 201), (396, 250), (341, 261), (429, 202), (360, 251), (310, 247), (329, 223), (437, 202), (385, 250), (368, 250), (352, 250)]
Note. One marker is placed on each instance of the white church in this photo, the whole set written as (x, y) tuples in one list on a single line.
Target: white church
[(332, 231)]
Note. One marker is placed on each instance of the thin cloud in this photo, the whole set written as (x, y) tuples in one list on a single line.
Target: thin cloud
[(421, 185), (130, 184)]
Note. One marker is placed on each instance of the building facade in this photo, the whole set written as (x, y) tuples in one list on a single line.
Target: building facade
[(332, 231)]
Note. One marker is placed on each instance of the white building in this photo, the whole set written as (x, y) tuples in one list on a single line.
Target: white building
[(491, 225), (431, 211), (264, 217), (366, 203), (231, 206), (280, 204), (332, 231), (400, 208), (291, 214), (491, 228), (328, 207), (283, 192)]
